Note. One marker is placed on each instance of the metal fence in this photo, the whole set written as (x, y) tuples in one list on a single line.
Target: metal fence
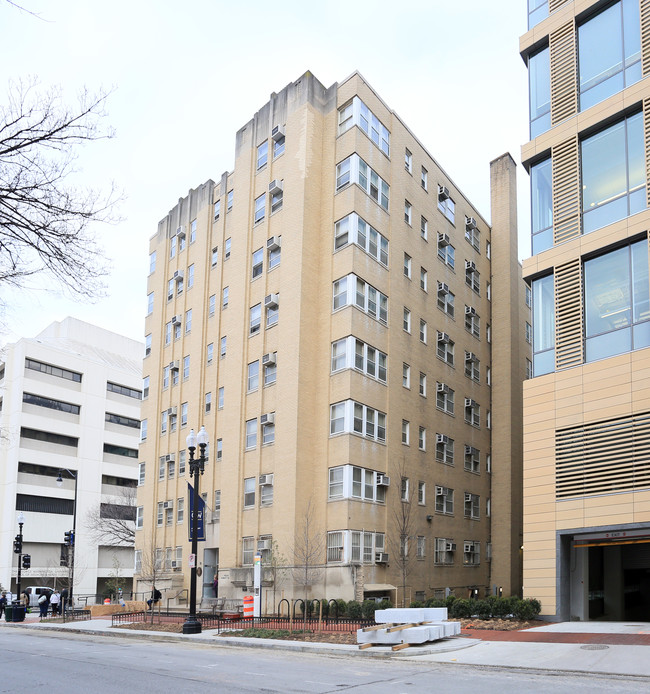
[(208, 621)]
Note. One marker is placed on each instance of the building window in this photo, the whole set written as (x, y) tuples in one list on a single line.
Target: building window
[(472, 234), (181, 462), (208, 402), (272, 310), (145, 387), (171, 469), (423, 331), (354, 229), (228, 248), (424, 228), (262, 154), (472, 276), (266, 491), (248, 551), (404, 489), (541, 200), (160, 513), (472, 412), (223, 347), (419, 550), (424, 178), (406, 375), (219, 449), (472, 459), (472, 321), (193, 225), (168, 333), (539, 92), (408, 212), (446, 205), (152, 262), (444, 398), (405, 432), (184, 414), (149, 304), (446, 252), (165, 378), (422, 438), (217, 209), (249, 492), (421, 493), (355, 418), (472, 366), (270, 374), (408, 161), (613, 174), (423, 385), (277, 197), (335, 546), (163, 422), (260, 208), (172, 247), (445, 299), (617, 302), (251, 434), (355, 170), (357, 113), (353, 291), (445, 348), (141, 473), (423, 280), (529, 369), (139, 522), (407, 265), (190, 276), (444, 449), (278, 145), (274, 247), (528, 333), (471, 553), (186, 367), (253, 378), (268, 431), (444, 551), (215, 257), (225, 297), (609, 52), (229, 201), (543, 325), (210, 353), (188, 320), (351, 353), (444, 500), (212, 305), (406, 321), (255, 320), (220, 398)]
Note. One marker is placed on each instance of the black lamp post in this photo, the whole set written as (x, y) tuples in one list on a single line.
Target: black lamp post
[(18, 549), (192, 624), (70, 538)]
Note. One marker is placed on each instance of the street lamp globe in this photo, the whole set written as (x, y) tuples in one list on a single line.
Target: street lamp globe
[(21, 518), (191, 439), (202, 438)]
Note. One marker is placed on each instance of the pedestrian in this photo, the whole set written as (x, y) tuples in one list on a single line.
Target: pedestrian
[(55, 600), (3, 603), (156, 596), (64, 600), (26, 595), (10, 598), (43, 603), (215, 585)]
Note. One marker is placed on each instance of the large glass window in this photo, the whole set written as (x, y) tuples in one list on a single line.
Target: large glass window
[(541, 202), (617, 302), (543, 326), (537, 10), (609, 52), (539, 88), (613, 174), (354, 229), (356, 112)]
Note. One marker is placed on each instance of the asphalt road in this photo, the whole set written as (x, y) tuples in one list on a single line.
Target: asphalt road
[(59, 663)]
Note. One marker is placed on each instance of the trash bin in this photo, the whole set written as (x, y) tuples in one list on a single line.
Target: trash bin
[(8, 613), (18, 613)]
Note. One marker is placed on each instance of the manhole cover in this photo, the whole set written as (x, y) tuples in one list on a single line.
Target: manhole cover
[(594, 647)]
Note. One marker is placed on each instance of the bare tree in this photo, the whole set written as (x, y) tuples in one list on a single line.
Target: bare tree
[(308, 549), (274, 566), (45, 220), (151, 564), (112, 523), (401, 537)]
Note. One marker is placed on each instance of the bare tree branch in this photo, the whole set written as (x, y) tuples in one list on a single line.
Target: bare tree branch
[(308, 550), (113, 523), (46, 222)]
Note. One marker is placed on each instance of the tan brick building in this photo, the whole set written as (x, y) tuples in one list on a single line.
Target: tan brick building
[(586, 427), (343, 322)]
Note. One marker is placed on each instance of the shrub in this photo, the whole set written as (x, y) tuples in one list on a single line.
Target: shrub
[(368, 608), (501, 607), (416, 603), (385, 604), (449, 601), (435, 602), (341, 607), (354, 609), (483, 609), (462, 608), (528, 608)]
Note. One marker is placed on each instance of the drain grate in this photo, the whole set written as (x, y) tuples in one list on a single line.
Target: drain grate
[(594, 647)]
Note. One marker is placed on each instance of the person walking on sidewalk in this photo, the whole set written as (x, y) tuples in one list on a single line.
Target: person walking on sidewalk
[(3, 603), (43, 603), (55, 600)]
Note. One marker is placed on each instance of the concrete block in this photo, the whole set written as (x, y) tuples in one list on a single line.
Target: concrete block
[(411, 614)]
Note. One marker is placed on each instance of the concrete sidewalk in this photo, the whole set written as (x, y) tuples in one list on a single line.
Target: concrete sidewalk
[(584, 647)]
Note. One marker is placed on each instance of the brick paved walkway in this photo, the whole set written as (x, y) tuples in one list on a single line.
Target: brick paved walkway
[(534, 636)]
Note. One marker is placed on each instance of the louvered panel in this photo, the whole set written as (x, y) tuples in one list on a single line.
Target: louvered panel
[(645, 37), (556, 4), (568, 315), (646, 131), (566, 190), (564, 92), (603, 458)]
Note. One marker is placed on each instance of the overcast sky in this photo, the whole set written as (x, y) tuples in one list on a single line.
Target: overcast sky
[(187, 75)]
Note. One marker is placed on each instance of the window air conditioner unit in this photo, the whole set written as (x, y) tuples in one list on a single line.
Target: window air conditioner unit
[(443, 239), (278, 132), (174, 365), (271, 300), (443, 192), (170, 457), (269, 359), (266, 480), (172, 411), (381, 557), (442, 438), (178, 275), (383, 480), (441, 387), (275, 186), (268, 418), (468, 402), (273, 243), (180, 231), (468, 450), (470, 222), (443, 288), (263, 545), (177, 320), (168, 504), (468, 546), (215, 516), (450, 547), (470, 265), (443, 337), (470, 311), (439, 491), (468, 496)]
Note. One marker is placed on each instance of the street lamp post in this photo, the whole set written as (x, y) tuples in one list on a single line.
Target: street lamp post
[(18, 549), (192, 624), (73, 535)]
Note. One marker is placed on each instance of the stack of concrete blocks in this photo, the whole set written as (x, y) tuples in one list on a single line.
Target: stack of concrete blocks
[(408, 626)]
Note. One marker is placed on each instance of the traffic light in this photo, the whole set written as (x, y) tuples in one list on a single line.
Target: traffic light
[(27, 561), (18, 544), (67, 538)]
